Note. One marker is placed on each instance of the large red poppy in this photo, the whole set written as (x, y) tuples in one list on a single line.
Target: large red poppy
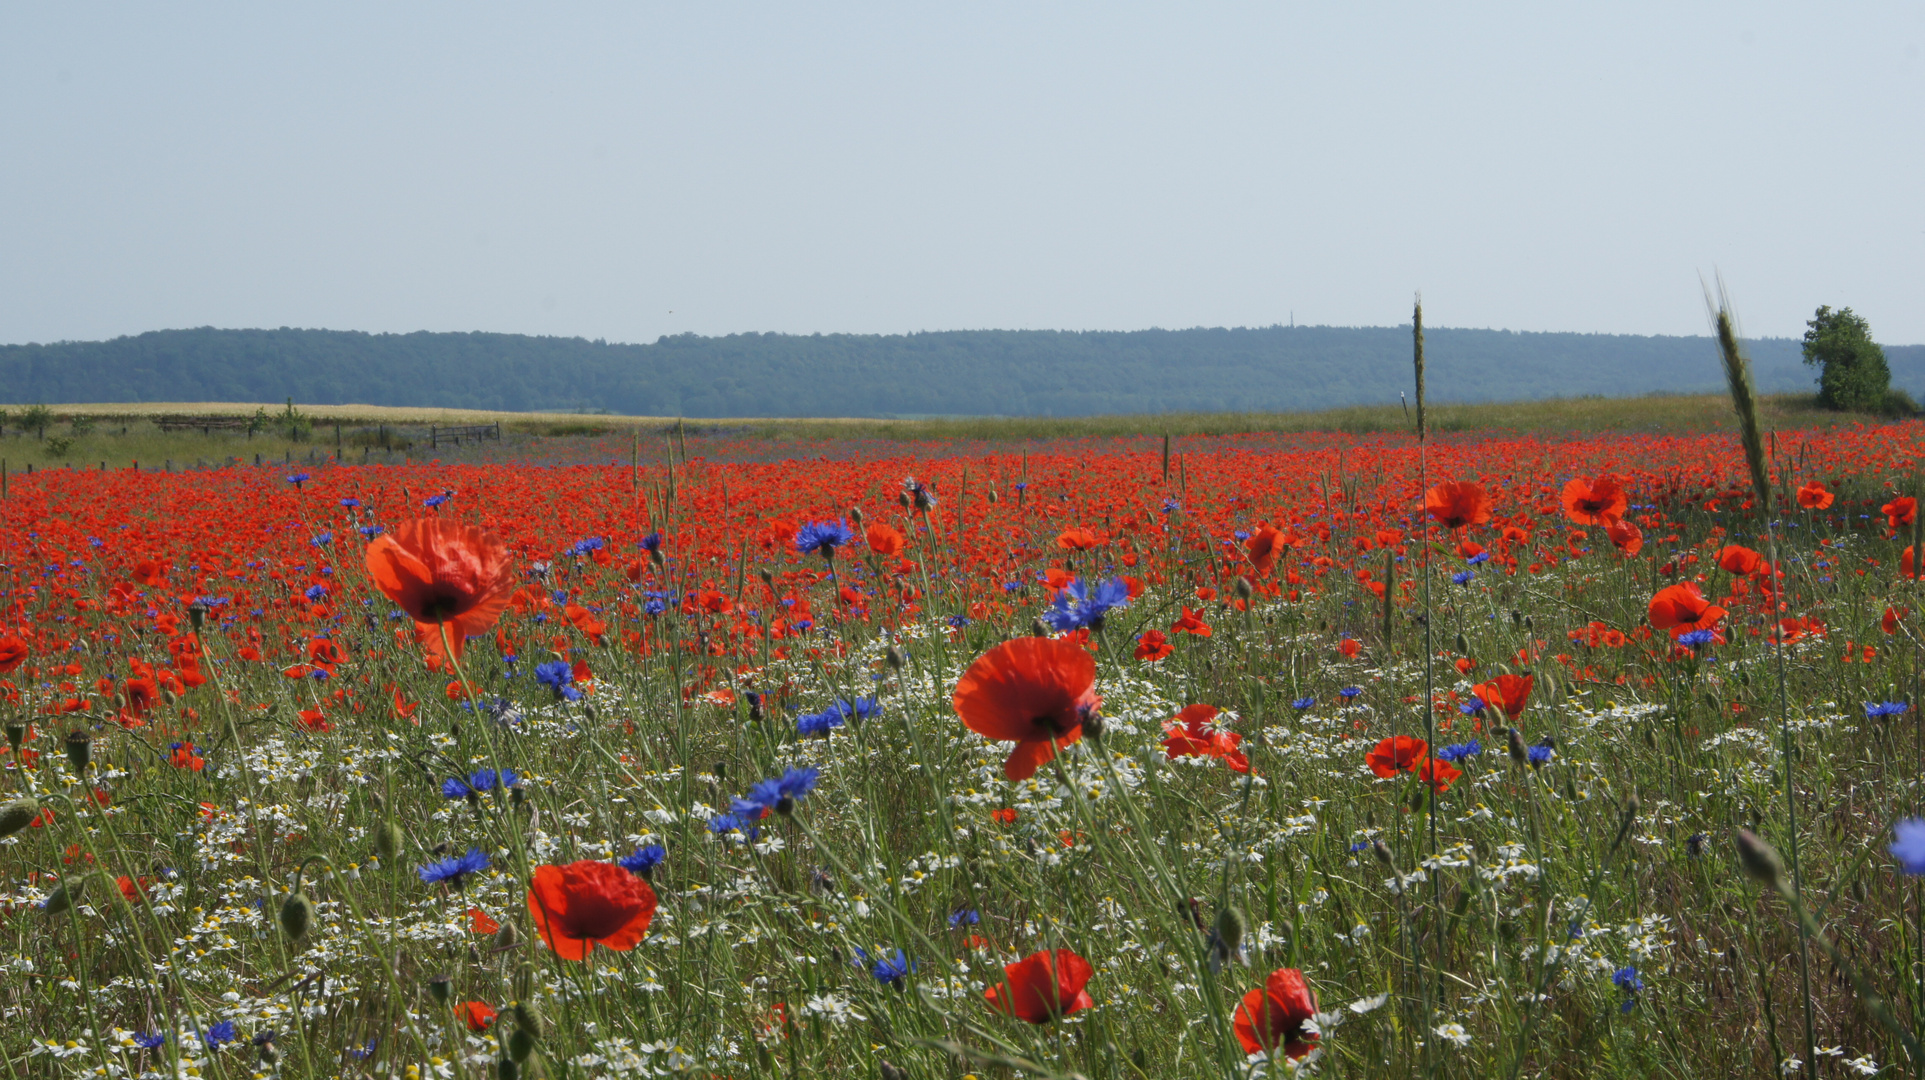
[(1399, 753), (12, 652), (1506, 693), (1263, 547), (1276, 1014), (1813, 496), (1625, 536), (1681, 608), (1594, 502), (442, 572), (1900, 511), (1043, 986), (1737, 559), (1194, 733), (1033, 691), (585, 904), (1458, 504)]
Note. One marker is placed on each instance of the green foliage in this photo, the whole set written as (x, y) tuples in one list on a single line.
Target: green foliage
[(1854, 375), (950, 373), (35, 418)]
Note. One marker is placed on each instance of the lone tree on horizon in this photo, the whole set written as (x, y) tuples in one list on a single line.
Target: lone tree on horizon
[(1855, 377)]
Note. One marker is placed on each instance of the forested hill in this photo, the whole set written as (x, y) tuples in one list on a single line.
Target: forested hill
[(961, 372)]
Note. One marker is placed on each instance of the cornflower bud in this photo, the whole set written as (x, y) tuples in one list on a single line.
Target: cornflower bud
[(896, 657), (1516, 743), (855, 514)]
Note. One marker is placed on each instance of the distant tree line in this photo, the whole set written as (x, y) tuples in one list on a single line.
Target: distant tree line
[(965, 372)]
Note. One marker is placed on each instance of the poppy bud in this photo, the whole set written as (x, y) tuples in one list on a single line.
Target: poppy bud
[(890, 1072), (896, 658), (296, 911), (507, 937), (523, 983), (520, 1045), (903, 500), (767, 576), (18, 814), (528, 1018), (1037, 629), (67, 895), (1093, 726), (389, 841), (1463, 647), (1760, 860), (855, 514), (1381, 850), (80, 750), (1242, 588), (1229, 929), (1516, 743), (506, 1069), (994, 498), (16, 734), (438, 988)]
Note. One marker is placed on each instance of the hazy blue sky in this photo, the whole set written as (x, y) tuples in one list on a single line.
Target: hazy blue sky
[(630, 170)]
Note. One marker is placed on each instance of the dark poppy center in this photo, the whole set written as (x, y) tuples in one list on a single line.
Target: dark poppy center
[(1053, 724), (442, 604)]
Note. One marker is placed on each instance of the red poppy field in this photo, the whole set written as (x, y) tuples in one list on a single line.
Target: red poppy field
[(1255, 755)]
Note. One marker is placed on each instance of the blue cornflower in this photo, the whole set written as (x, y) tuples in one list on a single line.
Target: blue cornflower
[(1350, 691), (482, 780), (1539, 754), (1626, 979), (1303, 703), (888, 970), (1479, 559), (723, 824), (148, 1040), (822, 536), (1908, 845), (1697, 639), (369, 532), (455, 787), (556, 675), (1461, 577), (1458, 751), (652, 542), (350, 503), (455, 869), (323, 540), (433, 501), (964, 917), (222, 1032), (644, 861), (316, 593), (1360, 845), (1474, 706), (1885, 708), (367, 1050), (298, 479), (818, 723), (1078, 606), (958, 621)]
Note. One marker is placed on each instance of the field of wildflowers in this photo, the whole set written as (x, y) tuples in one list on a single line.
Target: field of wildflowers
[(1261, 755)]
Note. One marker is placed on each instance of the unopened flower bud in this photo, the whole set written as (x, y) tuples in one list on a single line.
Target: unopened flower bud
[(506, 1069), (520, 1045), (1242, 588), (1516, 744), (855, 514), (1037, 629), (1094, 725), (16, 734), (18, 814), (896, 657), (1381, 850), (296, 912), (528, 1018), (67, 895), (389, 841), (439, 988), (1760, 859), (507, 937), (891, 1072), (767, 576), (196, 614), (1229, 929)]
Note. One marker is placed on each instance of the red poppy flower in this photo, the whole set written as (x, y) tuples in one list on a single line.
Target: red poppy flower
[(585, 904), (1191, 622), (1194, 734), (480, 923), (1889, 623), (1043, 986), (1900, 511), (1078, 539), (1033, 691), (1813, 496), (1625, 536), (1594, 502), (1438, 774), (1458, 504), (1005, 816), (1263, 547), (1399, 753), (883, 539), (1739, 560), (1274, 1015), (12, 652), (442, 572), (1152, 645), (1681, 608), (1506, 693), (477, 1015)]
